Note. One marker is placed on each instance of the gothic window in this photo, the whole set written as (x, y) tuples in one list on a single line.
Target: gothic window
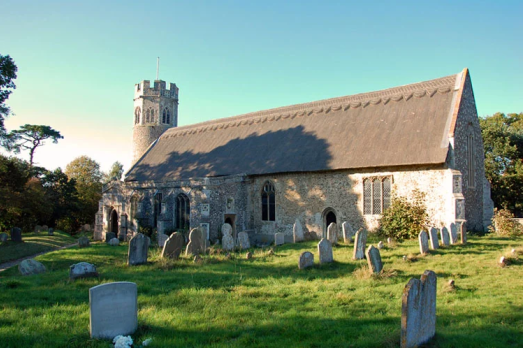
[(137, 113), (148, 116), (268, 200), (166, 117), (471, 161), (183, 212), (376, 195)]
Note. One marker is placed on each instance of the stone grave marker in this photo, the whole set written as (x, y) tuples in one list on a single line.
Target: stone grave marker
[(453, 233), (162, 238), (297, 232), (423, 239), (194, 247), (109, 236), (380, 245), (348, 232), (360, 242), (173, 246), (16, 234), (374, 259), (3, 237), (114, 242), (325, 251), (418, 311), (50, 232), (463, 233), (113, 309), (83, 242), (205, 243), (38, 229), (279, 239), (389, 240), (332, 233), (82, 270), (306, 260), (433, 234), (30, 267), (138, 249), (227, 239), (86, 227), (45, 228), (445, 237), (243, 240)]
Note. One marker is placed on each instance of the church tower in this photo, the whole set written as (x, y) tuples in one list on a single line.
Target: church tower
[(155, 110)]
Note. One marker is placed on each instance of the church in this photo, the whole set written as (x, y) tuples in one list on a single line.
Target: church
[(333, 160)]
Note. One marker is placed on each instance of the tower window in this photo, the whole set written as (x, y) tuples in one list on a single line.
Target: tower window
[(166, 117), (137, 113), (376, 195), (148, 116), (268, 201)]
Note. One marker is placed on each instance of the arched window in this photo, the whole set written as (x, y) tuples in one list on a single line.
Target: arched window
[(158, 198), (168, 117), (376, 195), (148, 116), (183, 212), (137, 113), (164, 116), (268, 200)]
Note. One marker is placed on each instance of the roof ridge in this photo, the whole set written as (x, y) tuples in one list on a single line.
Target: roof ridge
[(418, 89)]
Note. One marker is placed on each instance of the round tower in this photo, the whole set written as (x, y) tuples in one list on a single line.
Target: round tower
[(155, 110)]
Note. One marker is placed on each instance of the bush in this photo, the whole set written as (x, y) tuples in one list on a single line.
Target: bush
[(503, 224), (405, 218)]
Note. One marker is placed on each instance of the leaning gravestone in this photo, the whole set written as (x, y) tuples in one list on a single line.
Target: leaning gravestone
[(332, 233), (173, 246), (433, 234), (463, 233), (423, 242), (243, 240), (114, 242), (348, 232), (16, 234), (360, 242), (50, 232), (297, 232), (138, 248), (82, 270), (227, 239), (162, 238), (194, 247), (418, 310), (445, 237), (453, 233), (3, 237), (306, 260), (83, 242), (30, 267), (113, 309), (109, 236), (325, 251), (279, 239), (374, 259)]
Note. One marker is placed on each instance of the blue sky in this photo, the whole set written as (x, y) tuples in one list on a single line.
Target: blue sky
[(78, 61)]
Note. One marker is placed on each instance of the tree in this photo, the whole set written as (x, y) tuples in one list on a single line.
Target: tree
[(8, 71), (31, 136), (115, 173), (503, 143), (61, 192)]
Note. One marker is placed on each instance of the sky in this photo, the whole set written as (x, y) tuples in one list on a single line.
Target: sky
[(78, 61)]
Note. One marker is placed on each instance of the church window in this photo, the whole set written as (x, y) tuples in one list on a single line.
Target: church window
[(376, 195), (137, 113), (268, 197), (134, 207), (148, 116), (166, 117), (183, 212), (152, 116), (471, 159)]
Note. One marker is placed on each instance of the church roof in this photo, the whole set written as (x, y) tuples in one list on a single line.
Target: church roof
[(406, 125)]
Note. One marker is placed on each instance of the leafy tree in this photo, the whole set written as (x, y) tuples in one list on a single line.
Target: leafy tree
[(13, 177), (31, 136), (61, 191), (8, 71), (503, 142), (115, 173)]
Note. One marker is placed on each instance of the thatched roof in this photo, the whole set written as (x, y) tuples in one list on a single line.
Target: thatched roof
[(406, 125)]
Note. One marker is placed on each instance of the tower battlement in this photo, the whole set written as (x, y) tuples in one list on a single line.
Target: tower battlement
[(159, 89)]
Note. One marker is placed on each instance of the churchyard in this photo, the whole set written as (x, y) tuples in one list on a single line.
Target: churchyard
[(228, 301)]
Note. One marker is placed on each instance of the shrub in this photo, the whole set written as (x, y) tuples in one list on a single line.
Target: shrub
[(405, 218), (503, 224)]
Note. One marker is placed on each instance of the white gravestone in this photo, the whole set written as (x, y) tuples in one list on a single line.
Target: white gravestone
[(279, 239), (423, 242), (243, 240), (374, 259), (445, 237), (325, 251), (227, 239), (332, 233), (433, 234), (453, 233), (418, 310), (297, 232), (113, 309), (360, 241), (348, 232)]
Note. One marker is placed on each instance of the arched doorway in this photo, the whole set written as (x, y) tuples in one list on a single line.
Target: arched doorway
[(329, 216), (113, 225)]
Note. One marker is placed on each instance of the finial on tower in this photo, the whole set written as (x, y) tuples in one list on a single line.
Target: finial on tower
[(157, 67)]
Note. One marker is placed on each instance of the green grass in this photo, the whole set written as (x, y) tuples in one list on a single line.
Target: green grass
[(33, 243), (268, 302)]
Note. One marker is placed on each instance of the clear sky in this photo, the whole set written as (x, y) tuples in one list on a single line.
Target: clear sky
[(78, 61)]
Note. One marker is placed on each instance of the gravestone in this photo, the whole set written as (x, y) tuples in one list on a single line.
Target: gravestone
[(248, 256), (360, 242), (114, 242), (380, 245), (279, 239), (453, 233), (113, 309), (389, 240), (205, 243), (463, 233), (30, 267), (332, 233), (38, 229), (3, 237), (82, 270), (348, 232), (227, 239), (194, 247), (297, 232), (243, 240), (445, 237), (16, 234), (86, 227), (138, 249), (173, 246), (423, 242), (306, 260), (83, 242), (162, 238), (50, 232), (109, 236), (433, 234), (418, 310), (45, 228), (374, 259), (325, 251)]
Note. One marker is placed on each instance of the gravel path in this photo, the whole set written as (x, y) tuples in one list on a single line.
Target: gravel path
[(10, 264)]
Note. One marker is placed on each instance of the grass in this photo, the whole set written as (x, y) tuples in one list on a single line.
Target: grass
[(268, 302), (33, 243)]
